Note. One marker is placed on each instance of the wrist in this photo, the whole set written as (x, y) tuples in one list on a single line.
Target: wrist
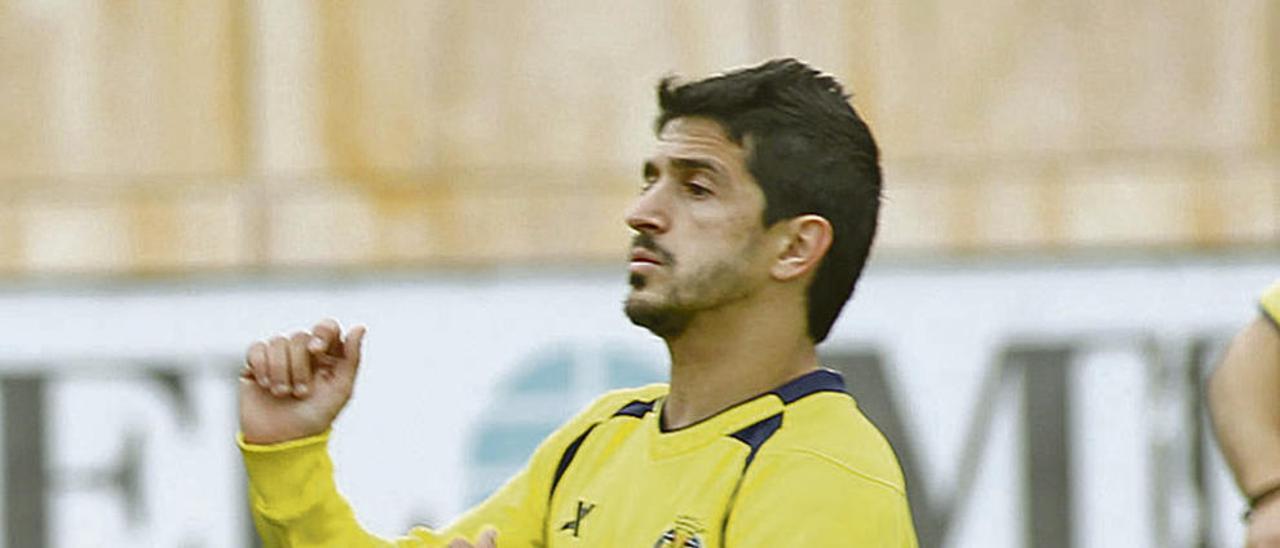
[(276, 438), (267, 447), (257, 433), (266, 428)]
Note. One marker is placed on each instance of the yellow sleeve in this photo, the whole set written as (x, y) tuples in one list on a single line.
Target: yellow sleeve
[(294, 499), (802, 499), (296, 504), (1271, 303)]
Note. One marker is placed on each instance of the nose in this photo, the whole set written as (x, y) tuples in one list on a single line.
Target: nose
[(647, 212)]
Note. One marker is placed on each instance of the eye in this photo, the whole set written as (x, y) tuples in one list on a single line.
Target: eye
[(696, 189)]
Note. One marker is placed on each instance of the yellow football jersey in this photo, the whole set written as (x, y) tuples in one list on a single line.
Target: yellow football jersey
[(797, 466), (1271, 303)]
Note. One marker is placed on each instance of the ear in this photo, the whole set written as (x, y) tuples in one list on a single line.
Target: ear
[(807, 239)]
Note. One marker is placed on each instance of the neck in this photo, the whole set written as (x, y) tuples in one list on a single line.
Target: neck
[(728, 356)]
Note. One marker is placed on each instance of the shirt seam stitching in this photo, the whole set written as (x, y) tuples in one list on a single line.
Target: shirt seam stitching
[(841, 466)]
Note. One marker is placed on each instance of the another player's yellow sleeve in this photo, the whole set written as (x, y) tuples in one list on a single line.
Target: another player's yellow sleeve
[(1271, 302), (296, 504), (798, 498)]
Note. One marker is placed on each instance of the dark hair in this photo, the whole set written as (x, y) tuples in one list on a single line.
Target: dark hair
[(810, 153)]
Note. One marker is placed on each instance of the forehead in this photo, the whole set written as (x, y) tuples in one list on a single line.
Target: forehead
[(698, 137)]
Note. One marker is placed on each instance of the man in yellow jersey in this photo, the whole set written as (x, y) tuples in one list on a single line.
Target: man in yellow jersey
[(1244, 401), (756, 214)]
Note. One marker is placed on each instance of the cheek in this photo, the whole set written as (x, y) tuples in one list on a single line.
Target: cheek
[(712, 231), (718, 222)]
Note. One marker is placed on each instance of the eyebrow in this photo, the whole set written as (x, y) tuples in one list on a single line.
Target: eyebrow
[(650, 169), (684, 164), (695, 164)]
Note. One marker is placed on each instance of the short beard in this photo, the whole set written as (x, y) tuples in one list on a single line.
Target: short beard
[(664, 321), (671, 316)]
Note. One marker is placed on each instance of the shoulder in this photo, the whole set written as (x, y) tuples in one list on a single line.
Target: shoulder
[(613, 401), (827, 478), (565, 438), (824, 437)]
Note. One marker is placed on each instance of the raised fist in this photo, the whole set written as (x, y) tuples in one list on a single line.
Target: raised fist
[(294, 386)]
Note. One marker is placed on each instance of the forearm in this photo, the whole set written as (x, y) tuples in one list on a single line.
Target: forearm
[(296, 503), (1244, 403), (294, 500)]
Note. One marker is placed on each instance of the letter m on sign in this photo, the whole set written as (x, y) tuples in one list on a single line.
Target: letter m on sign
[(1034, 375)]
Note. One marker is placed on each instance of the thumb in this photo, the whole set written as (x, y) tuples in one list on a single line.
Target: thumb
[(351, 347)]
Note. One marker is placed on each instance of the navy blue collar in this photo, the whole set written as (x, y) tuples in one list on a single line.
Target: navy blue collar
[(822, 380)]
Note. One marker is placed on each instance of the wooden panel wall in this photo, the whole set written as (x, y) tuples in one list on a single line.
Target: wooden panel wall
[(149, 137)]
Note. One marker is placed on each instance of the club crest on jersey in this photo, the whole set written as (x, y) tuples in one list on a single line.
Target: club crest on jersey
[(685, 533)]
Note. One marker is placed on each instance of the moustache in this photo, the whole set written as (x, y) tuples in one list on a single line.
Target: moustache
[(644, 240)]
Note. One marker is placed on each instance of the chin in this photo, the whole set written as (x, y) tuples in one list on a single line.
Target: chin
[(659, 319), (637, 302), (641, 287), (639, 307)]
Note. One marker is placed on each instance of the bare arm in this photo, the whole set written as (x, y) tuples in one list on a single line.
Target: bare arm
[(1244, 403)]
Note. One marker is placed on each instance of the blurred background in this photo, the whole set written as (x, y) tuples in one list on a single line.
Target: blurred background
[(1082, 202)]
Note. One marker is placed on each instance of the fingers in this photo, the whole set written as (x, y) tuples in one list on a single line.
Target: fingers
[(300, 363), (278, 365), (288, 365), (256, 359), (327, 334), (488, 539)]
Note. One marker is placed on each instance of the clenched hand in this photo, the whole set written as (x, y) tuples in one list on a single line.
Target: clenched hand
[(294, 386)]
